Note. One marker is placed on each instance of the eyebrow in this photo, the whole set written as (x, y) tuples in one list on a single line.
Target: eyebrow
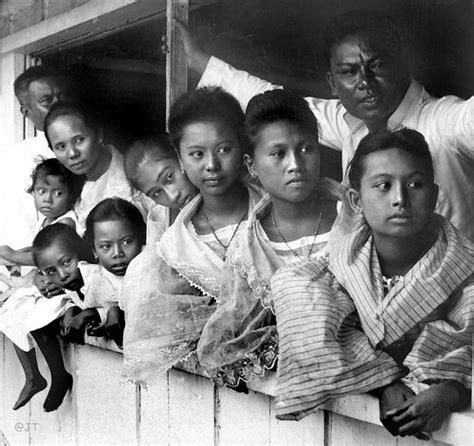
[(160, 174)]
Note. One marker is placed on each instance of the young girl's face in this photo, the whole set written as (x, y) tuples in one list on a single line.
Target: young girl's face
[(165, 184), (75, 145), (59, 263), (51, 196), (396, 193), (115, 245), (286, 160), (211, 155)]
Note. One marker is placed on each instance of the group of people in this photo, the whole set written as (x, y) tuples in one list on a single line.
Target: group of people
[(340, 288)]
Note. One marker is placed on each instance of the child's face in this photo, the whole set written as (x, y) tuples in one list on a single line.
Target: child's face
[(367, 78), (116, 245), (75, 145), (286, 160), (59, 263), (51, 196), (211, 156), (396, 193), (165, 184)]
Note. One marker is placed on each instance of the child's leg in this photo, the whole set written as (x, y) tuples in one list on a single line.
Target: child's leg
[(34, 380), (61, 380), (426, 411)]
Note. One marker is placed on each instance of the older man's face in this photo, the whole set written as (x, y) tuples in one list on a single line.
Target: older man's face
[(42, 94), (368, 78)]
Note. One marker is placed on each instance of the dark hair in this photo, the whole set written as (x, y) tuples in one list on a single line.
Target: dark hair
[(153, 148), (278, 105), (206, 104), (33, 74), (115, 209), (88, 116), (406, 139), (59, 231), (52, 166), (363, 22)]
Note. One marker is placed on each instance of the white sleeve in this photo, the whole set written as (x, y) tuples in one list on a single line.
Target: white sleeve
[(244, 87), (238, 83)]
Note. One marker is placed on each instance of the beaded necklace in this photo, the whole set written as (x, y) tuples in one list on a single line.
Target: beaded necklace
[(314, 235)]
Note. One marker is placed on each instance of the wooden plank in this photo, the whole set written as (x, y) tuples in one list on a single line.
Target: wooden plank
[(153, 410), (244, 419), (105, 405), (191, 409), (308, 431), (176, 62), (343, 431)]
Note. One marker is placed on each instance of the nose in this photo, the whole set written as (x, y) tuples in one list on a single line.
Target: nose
[(63, 274), (365, 78), (213, 163), (400, 196), (117, 251), (73, 152), (173, 195), (48, 197), (294, 162)]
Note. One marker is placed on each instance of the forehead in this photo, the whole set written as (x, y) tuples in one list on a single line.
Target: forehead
[(51, 255), (112, 229), (49, 180), (369, 44), (206, 131), (281, 131), (393, 162), (148, 172), (66, 124)]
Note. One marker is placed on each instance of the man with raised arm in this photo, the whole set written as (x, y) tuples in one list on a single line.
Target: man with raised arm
[(374, 87)]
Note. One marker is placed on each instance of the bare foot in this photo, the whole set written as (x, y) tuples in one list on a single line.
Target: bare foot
[(57, 391), (30, 389)]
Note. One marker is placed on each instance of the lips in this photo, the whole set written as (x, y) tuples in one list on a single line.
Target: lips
[(119, 268), (370, 100), (297, 181), (45, 210), (400, 217), (77, 166), (73, 285), (213, 181)]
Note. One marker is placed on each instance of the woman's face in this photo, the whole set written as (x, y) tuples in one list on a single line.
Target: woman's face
[(165, 183), (211, 155), (396, 195), (76, 146), (286, 160)]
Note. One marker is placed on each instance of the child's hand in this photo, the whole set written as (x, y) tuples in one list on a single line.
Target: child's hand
[(77, 325), (115, 324), (45, 287), (95, 328), (426, 411)]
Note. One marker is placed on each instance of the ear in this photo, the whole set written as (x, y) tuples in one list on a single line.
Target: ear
[(25, 111), (354, 200), (248, 161), (332, 84), (434, 196)]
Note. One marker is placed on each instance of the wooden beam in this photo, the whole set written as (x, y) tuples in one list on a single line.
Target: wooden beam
[(176, 62)]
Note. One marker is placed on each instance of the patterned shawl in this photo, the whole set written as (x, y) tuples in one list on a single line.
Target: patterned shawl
[(169, 293), (240, 338)]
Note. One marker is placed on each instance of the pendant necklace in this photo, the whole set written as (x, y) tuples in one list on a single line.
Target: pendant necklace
[(225, 247), (314, 235)]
